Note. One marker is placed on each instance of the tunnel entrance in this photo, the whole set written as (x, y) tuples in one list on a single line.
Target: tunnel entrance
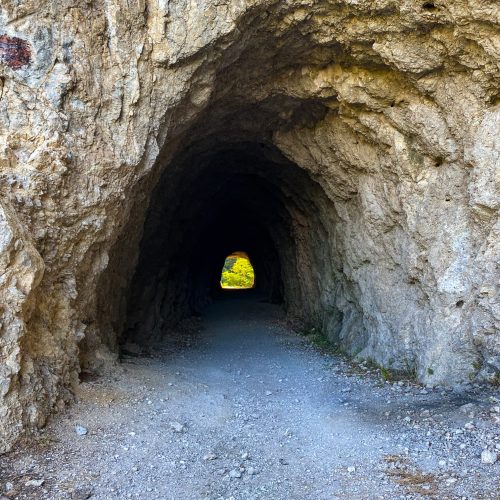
[(237, 272), (212, 200), (355, 142)]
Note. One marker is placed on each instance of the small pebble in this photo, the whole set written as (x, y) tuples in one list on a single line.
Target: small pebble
[(467, 408), (488, 457), (177, 427), (35, 482), (81, 430)]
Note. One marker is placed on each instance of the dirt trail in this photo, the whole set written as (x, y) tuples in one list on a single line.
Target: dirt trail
[(250, 411)]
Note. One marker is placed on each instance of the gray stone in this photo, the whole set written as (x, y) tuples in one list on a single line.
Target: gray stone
[(81, 430), (178, 427), (488, 457), (35, 482), (468, 408)]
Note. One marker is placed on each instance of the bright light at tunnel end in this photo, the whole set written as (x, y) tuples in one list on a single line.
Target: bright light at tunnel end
[(237, 272)]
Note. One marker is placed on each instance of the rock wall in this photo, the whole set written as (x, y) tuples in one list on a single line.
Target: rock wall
[(392, 107)]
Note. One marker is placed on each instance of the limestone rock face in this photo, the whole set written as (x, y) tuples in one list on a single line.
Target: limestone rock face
[(111, 113), (22, 270)]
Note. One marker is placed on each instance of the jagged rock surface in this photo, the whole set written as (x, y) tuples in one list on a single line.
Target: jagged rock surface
[(391, 107)]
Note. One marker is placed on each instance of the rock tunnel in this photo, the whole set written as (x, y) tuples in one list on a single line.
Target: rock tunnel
[(240, 196), (350, 149)]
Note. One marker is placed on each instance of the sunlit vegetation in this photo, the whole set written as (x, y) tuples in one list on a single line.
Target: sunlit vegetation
[(237, 272)]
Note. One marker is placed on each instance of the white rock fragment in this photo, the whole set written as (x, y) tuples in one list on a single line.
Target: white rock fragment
[(488, 457), (467, 408), (81, 430), (35, 482), (177, 427)]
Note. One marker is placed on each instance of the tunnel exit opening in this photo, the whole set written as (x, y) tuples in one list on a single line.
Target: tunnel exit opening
[(237, 272)]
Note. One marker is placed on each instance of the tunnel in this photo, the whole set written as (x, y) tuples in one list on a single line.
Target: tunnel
[(333, 167), (211, 203), (329, 214), (351, 150)]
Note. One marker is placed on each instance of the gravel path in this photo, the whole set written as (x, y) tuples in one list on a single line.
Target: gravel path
[(247, 409)]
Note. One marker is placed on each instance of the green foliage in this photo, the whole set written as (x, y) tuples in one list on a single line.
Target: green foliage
[(320, 340), (476, 365), (371, 364), (410, 370), (430, 371), (323, 343), (385, 373), (237, 273), (229, 263)]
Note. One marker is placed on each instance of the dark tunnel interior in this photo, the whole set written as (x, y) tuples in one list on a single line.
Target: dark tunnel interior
[(209, 203)]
